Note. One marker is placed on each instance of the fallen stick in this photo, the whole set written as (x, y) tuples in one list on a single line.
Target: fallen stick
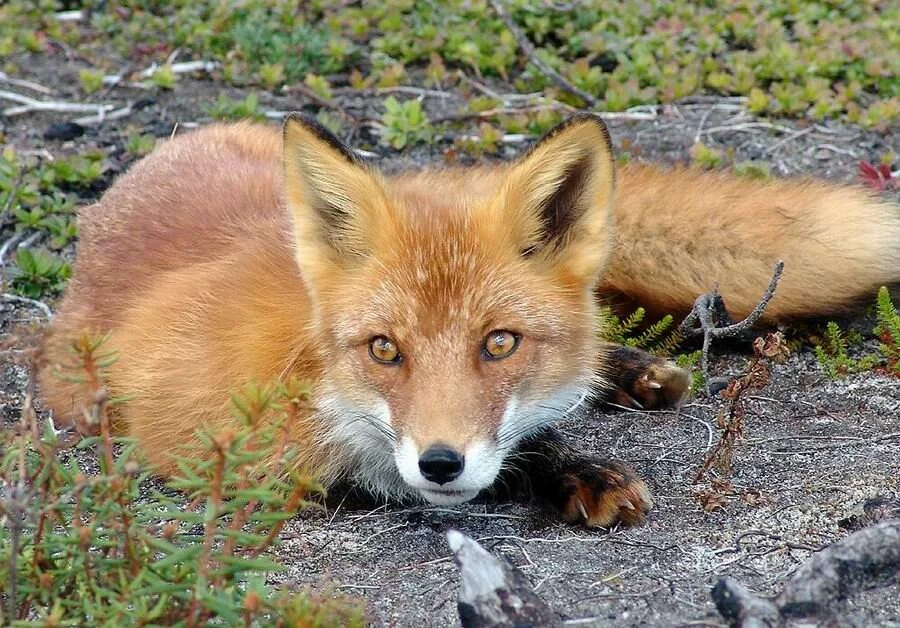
[(43, 307), (710, 307), (103, 116), (863, 560), (37, 87), (27, 105), (527, 48), (494, 593)]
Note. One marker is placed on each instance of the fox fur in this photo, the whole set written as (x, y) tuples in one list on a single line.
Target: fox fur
[(238, 253)]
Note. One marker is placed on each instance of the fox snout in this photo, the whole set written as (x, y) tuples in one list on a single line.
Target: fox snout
[(448, 474), (441, 464)]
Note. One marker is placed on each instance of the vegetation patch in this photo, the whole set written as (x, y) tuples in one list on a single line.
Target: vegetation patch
[(833, 347), (101, 544), (810, 59)]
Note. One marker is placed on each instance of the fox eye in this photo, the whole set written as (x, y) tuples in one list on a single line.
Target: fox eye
[(500, 344), (382, 349)]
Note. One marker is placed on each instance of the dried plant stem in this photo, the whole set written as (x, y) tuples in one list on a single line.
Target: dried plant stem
[(528, 50)]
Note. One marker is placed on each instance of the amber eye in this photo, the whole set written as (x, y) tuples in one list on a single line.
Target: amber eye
[(383, 350), (500, 344)]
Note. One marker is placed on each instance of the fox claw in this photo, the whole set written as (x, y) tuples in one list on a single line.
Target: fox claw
[(581, 509)]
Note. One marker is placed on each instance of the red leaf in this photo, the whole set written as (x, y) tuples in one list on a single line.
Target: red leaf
[(876, 177)]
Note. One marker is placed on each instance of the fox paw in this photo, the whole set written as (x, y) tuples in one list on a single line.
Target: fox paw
[(644, 381), (600, 494), (662, 384)]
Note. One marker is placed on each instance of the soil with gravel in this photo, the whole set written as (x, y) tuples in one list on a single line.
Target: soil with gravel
[(815, 450)]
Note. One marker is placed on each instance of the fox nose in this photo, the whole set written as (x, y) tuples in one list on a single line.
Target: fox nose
[(441, 464)]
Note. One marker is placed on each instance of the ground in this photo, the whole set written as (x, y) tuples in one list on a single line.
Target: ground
[(814, 451)]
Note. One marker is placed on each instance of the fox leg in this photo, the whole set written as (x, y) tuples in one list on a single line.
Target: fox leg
[(640, 380), (586, 489)]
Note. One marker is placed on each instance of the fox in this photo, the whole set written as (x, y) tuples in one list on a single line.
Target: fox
[(445, 318)]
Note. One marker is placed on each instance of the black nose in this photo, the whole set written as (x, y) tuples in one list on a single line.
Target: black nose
[(441, 464)]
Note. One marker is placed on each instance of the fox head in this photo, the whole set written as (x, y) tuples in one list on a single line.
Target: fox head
[(455, 310)]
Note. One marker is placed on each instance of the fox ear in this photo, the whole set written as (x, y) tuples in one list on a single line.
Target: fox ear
[(333, 197), (557, 198)]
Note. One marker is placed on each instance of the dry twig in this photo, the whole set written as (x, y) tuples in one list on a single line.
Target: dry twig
[(528, 50), (709, 309), (35, 87), (32, 302), (27, 105)]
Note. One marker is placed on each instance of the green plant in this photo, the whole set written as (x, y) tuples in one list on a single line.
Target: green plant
[(62, 230), (76, 171), (39, 197), (227, 108), (140, 145), (164, 77), (405, 123), (807, 59), (38, 274), (101, 545), (271, 75), (691, 362), (832, 349), (831, 353), (753, 170), (658, 338), (888, 331), (706, 157), (91, 80), (17, 187), (319, 85)]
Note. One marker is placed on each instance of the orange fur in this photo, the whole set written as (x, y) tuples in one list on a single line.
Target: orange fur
[(211, 268)]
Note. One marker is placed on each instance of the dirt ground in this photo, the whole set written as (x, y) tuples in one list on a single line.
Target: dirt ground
[(815, 450)]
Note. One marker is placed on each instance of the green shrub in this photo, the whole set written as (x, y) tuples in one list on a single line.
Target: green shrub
[(791, 58), (101, 545), (832, 349), (227, 108), (405, 123), (832, 355), (39, 273), (888, 331), (658, 338)]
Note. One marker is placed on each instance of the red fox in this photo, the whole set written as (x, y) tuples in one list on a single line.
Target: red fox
[(446, 318)]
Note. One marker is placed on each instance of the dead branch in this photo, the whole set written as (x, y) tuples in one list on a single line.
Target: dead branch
[(506, 138), (395, 89), (709, 309), (749, 127), (184, 67), (494, 593), (527, 49), (27, 105), (864, 560), (102, 116), (14, 241), (36, 87), (32, 302), (330, 103), (492, 113)]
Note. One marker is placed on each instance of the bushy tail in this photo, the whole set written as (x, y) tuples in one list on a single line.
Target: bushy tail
[(681, 231)]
